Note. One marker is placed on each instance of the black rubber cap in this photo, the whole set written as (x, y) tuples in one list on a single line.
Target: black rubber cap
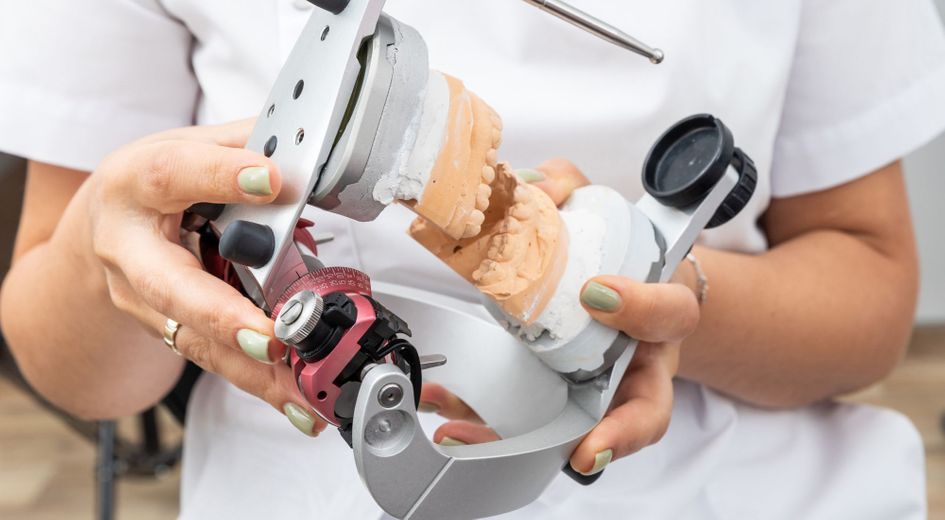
[(741, 194), (332, 6), (688, 160), (584, 480), (207, 210), (248, 243)]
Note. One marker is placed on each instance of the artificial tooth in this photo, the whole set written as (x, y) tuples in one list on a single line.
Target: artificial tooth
[(511, 225), (492, 157), (522, 194), (482, 198), (523, 212), (488, 174)]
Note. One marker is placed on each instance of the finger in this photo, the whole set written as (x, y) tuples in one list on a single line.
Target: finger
[(232, 135), (645, 311), (170, 176), (274, 384), (169, 280), (436, 398), (464, 432), (558, 178), (642, 419)]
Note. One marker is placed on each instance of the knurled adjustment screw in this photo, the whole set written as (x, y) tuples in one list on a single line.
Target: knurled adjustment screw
[(299, 317)]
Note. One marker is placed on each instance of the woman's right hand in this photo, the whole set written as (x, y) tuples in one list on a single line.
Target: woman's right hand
[(138, 195)]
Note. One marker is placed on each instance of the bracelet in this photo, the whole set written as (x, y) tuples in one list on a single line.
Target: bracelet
[(702, 282)]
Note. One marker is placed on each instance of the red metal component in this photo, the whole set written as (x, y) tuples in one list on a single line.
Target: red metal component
[(316, 380)]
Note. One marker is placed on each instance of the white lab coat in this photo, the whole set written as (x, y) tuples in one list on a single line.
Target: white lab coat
[(818, 92)]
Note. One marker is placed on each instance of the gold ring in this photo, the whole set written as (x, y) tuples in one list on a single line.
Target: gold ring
[(171, 328)]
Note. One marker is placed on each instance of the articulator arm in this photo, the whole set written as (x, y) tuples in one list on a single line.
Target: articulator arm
[(322, 125)]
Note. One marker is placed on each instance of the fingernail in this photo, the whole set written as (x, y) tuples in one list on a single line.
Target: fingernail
[(601, 460), (255, 180), (301, 419), (449, 441), (530, 175), (426, 407), (600, 297), (254, 344)]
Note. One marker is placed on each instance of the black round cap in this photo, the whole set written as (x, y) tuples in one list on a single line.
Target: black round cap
[(332, 6), (688, 161), (248, 243)]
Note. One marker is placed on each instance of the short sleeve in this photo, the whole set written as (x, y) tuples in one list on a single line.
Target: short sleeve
[(867, 87), (81, 78)]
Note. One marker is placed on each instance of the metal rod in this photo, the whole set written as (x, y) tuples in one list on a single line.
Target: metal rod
[(598, 28)]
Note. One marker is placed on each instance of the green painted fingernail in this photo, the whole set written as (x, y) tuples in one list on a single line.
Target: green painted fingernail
[(254, 344), (449, 441), (255, 180), (601, 460), (600, 297), (301, 419), (426, 407), (530, 175)]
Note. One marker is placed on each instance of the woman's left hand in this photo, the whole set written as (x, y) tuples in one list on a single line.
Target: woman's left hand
[(660, 316)]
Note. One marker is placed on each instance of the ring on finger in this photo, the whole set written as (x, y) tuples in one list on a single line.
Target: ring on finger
[(171, 328)]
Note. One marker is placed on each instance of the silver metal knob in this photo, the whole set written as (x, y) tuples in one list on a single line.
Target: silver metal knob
[(298, 317)]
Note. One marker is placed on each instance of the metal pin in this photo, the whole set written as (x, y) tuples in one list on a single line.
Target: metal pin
[(599, 28), (432, 361)]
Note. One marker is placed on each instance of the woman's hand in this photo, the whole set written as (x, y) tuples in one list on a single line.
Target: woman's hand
[(138, 195), (659, 316)]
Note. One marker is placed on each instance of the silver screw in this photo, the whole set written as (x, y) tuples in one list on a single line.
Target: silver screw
[(292, 313), (391, 395)]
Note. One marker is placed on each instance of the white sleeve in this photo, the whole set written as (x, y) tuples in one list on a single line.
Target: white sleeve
[(867, 87), (81, 78)]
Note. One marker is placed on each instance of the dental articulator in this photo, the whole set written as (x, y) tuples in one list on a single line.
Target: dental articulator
[(366, 118)]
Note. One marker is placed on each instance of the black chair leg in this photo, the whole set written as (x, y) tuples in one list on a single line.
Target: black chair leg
[(105, 471), (150, 434)]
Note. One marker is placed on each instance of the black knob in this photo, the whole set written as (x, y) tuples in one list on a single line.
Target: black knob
[(333, 6), (248, 243), (739, 197), (688, 161), (584, 480)]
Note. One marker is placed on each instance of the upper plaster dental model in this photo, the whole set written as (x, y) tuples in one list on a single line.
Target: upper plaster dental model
[(501, 234)]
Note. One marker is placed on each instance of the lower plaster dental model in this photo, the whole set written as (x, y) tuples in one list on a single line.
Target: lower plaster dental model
[(501, 234)]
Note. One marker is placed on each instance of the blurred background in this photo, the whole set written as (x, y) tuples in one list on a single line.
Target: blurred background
[(54, 467)]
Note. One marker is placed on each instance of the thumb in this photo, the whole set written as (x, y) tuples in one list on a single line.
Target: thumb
[(557, 177)]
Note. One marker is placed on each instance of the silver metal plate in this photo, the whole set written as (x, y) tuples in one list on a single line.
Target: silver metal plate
[(306, 126)]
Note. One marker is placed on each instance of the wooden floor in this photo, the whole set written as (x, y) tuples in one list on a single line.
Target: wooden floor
[(46, 470)]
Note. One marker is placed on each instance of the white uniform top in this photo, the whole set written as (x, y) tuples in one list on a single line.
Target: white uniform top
[(818, 92)]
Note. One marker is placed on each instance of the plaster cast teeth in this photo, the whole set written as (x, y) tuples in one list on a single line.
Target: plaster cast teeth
[(496, 138), (474, 224), (485, 267), (488, 174), (482, 198), (522, 194), (523, 212), (501, 249), (511, 225), (492, 157), (490, 272)]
